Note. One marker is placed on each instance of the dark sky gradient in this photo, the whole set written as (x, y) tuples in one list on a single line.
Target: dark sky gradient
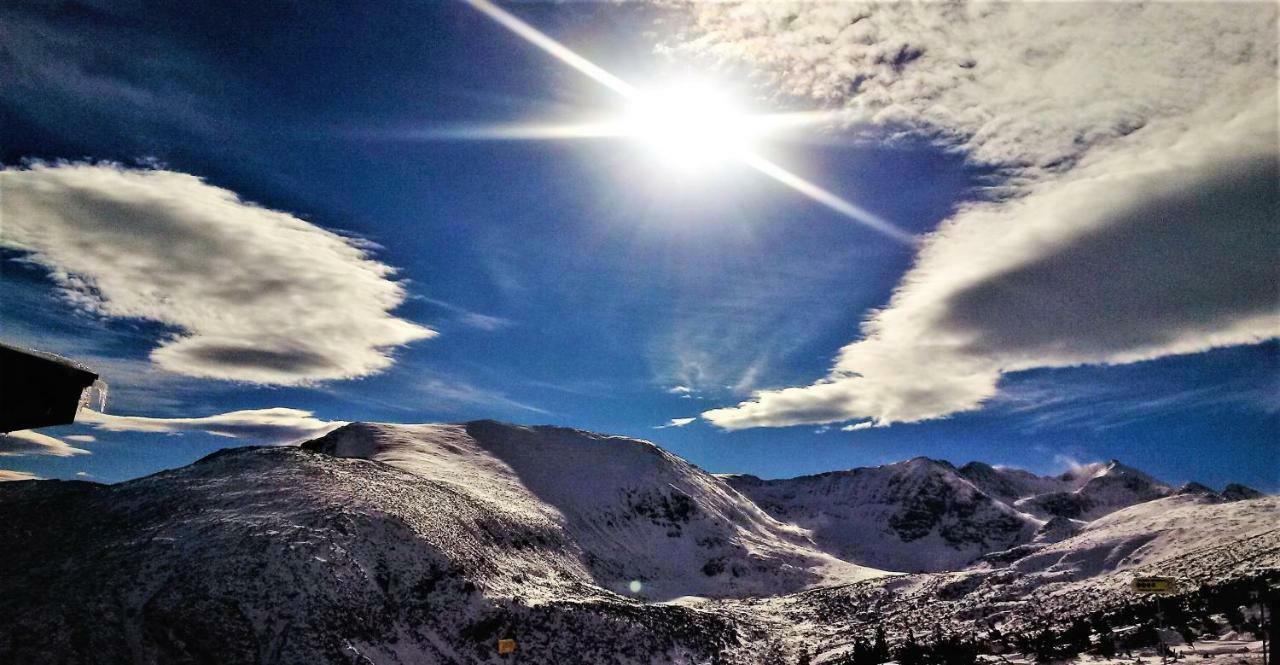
[(607, 271)]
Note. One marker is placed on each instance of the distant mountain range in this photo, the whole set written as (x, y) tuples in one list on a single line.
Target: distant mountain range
[(427, 543), (927, 515)]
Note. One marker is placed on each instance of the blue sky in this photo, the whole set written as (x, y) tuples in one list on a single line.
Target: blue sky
[(581, 282)]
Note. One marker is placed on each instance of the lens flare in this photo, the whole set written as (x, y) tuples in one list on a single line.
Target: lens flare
[(690, 126)]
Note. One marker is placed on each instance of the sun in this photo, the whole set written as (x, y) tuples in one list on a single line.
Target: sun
[(690, 126)]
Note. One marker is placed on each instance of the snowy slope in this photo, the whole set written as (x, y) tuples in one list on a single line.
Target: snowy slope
[(629, 510), (1146, 534), (927, 515), (1108, 488), (917, 515), (1083, 493), (397, 544), (281, 555), (1202, 541)]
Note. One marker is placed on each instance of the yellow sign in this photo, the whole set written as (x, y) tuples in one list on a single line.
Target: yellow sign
[(506, 646), (1155, 585)]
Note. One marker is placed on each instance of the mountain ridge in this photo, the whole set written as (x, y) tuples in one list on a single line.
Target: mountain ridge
[(638, 512), (397, 544)]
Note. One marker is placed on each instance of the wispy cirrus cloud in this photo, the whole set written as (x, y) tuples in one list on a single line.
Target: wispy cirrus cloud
[(9, 475), (1055, 403), (702, 348), (24, 443), (453, 393), (676, 422), (272, 426), (253, 294), (466, 317), (1137, 217)]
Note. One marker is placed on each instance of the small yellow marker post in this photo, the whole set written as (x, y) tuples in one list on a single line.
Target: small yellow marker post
[(506, 646), (1160, 585)]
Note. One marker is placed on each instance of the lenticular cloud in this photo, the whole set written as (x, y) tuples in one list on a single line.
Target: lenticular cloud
[(1138, 215), (251, 294)]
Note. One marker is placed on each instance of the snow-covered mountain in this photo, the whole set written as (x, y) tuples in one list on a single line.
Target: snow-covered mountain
[(917, 515), (389, 544), (927, 515), (628, 510), (1147, 534), (1084, 493), (1203, 542), (284, 555)]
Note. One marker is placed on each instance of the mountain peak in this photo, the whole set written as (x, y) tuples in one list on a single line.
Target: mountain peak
[(922, 462), (1197, 489), (977, 467), (1238, 492), (1120, 469)]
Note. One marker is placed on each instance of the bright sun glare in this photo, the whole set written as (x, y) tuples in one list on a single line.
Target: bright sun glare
[(690, 126)]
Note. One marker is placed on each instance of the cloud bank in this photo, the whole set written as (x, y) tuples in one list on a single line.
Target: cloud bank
[(276, 425), (253, 295), (26, 442), (8, 475), (1138, 215)]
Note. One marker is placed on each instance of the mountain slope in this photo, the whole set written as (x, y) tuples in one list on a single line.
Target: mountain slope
[(1202, 542), (927, 515), (918, 515), (283, 555), (1150, 533), (1108, 488), (628, 510), (397, 544)]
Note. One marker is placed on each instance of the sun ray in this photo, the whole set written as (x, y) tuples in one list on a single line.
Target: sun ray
[(751, 158), (765, 124), (516, 131), (826, 198), (555, 48)]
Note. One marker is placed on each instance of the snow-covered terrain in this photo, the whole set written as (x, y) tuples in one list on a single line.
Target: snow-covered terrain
[(911, 516), (1205, 543), (629, 511), (283, 555), (429, 543), (1149, 533), (927, 515)]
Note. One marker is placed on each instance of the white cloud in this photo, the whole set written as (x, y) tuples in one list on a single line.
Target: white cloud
[(7, 475), (81, 438), (676, 422), (680, 390), (1022, 84), (866, 424), (253, 295), (26, 442), (276, 425), (1138, 217)]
